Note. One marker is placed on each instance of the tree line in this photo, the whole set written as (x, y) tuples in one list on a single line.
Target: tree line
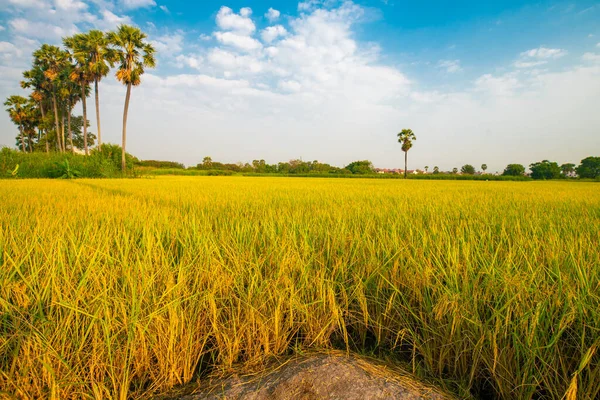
[(60, 78)]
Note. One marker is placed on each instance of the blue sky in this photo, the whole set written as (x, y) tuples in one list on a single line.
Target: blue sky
[(479, 82)]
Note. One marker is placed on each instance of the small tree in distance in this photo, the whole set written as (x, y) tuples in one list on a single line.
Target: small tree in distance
[(406, 137), (567, 169), (514, 170), (454, 170), (484, 167), (468, 169), (436, 170)]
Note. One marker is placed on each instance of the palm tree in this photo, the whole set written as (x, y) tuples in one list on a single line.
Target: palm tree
[(436, 170), (51, 59), (35, 79), (484, 167), (134, 54), (91, 49), (16, 110), (426, 168), (406, 137), (81, 75), (71, 92)]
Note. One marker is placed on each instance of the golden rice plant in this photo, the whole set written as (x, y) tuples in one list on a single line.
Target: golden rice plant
[(116, 289)]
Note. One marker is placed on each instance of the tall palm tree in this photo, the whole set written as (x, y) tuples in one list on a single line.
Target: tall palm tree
[(51, 59), (91, 49), (484, 167), (406, 137), (34, 79), (134, 54), (80, 74), (71, 92), (16, 110)]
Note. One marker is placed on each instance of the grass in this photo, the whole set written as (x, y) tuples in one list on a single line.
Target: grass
[(114, 290)]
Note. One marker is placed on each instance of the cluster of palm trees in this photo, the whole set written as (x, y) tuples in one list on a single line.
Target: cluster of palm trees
[(60, 78)]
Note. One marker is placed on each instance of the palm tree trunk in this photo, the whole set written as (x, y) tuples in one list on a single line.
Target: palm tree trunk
[(56, 121), (69, 126), (62, 132), (405, 163), (98, 113), (83, 103), (43, 117), (127, 96), (22, 137)]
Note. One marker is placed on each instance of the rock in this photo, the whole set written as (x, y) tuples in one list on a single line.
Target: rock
[(321, 376)]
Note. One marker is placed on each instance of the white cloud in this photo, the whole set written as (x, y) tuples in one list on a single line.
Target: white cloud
[(529, 64), (2, 28), (272, 15), (241, 42), (27, 3), (165, 9), (191, 61), (111, 20), (544, 53), (70, 5), (598, 45), (230, 21), (451, 66), (273, 32), (246, 12), (289, 86), (204, 37), (42, 30), (498, 86), (591, 57), (133, 4), (168, 45)]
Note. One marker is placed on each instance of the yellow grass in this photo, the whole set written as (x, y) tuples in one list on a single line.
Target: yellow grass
[(124, 288)]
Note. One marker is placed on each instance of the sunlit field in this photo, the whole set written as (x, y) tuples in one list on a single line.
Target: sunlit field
[(128, 288)]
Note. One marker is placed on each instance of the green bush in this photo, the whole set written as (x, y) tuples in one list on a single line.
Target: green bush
[(104, 163)]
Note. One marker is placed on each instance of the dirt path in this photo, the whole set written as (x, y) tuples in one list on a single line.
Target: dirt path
[(320, 376)]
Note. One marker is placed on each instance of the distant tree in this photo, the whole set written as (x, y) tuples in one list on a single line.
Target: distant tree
[(436, 170), (454, 170), (361, 167), (50, 60), (514, 170), (406, 137), (134, 54), (77, 134), (484, 167), (16, 108), (567, 169), (545, 170), (468, 169), (589, 168), (207, 162), (426, 168)]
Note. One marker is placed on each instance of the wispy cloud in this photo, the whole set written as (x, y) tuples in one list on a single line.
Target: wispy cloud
[(451, 66)]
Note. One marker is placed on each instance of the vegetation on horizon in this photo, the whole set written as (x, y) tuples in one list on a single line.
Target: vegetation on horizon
[(112, 291), (59, 79)]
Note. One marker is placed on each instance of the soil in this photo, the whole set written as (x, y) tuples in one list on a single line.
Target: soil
[(320, 376)]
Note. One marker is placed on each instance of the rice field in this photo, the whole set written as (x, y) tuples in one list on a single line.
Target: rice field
[(117, 289)]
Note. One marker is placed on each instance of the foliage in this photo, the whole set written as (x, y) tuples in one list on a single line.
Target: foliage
[(467, 169), (589, 168), (361, 167), (567, 169), (173, 277), (105, 164), (514, 170), (159, 164), (64, 170), (545, 170)]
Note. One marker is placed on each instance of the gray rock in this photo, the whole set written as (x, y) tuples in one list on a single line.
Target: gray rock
[(321, 376)]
